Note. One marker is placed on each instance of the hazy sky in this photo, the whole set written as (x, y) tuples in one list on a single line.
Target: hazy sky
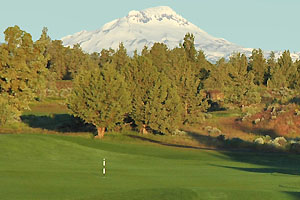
[(266, 24)]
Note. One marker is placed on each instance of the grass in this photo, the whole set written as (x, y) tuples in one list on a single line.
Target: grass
[(69, 167), (56, 166), (225, 113)]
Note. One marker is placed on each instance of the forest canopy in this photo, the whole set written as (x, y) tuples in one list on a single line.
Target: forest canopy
[(155, 91)]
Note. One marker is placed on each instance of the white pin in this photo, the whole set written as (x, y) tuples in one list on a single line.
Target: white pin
[(104, 171)]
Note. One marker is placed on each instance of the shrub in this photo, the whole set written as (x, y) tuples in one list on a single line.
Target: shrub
[(207, 128), (215, 131), (281, 141), (208, 116), (221, 138), (295, 147), (179, 132), (267, 138), (273, 117), (235, 142), (212, 130), (278, 142), (256, 121), (259, 141)]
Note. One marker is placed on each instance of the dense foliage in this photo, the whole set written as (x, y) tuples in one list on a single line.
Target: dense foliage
[(100, 97), (22, 72), (156, 91)]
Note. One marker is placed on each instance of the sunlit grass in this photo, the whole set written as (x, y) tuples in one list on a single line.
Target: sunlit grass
[(66, 167)]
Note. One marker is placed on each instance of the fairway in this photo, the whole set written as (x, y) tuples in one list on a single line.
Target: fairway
[(68, 167)]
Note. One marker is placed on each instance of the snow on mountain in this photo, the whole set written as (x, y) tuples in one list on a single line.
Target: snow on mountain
[(158, 24)]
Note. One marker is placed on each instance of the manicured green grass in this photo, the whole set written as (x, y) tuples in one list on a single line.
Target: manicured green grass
[(68, 167), (225, 113)]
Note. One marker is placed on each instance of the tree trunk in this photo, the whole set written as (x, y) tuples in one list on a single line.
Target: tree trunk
[(143, 130), (100, 131)]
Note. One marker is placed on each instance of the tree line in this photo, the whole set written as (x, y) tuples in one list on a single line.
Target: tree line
[(155, 91)]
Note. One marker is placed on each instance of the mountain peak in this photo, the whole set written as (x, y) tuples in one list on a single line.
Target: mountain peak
[(156, 14), (143, 28), (159, 10)]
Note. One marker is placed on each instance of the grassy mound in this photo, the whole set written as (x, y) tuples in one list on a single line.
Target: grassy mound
[(68, 167)]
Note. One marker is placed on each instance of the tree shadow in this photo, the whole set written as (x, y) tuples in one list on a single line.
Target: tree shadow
[(268, 170), (258, 130), (295, 100), (294, 195), (269, 160), (165, 143), (57, 122), (221, 143)]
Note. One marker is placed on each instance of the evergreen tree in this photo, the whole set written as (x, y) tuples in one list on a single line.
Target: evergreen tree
[(258, 66), (271, 62), (66, 62), (156, 105), (189, 47), (240, 89), (77, 60), (45, 78), (297, 76), (159, 56), (106, 56), (202, 67), (22, 63), (162, 108), (58, 61), (284, 72), (183, 74), (218, 77), (120, 58), (100, 97)]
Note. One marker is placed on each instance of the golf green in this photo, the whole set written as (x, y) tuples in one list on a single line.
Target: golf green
[(37, 167)]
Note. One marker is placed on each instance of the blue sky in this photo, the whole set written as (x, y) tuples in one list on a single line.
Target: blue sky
[(266, 24)]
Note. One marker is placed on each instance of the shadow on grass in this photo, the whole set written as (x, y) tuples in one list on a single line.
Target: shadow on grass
[(294, 195), (220, 142), (57, 122), (276, 160), (165, 143), (268, 170), (257, 130), (269, 160)]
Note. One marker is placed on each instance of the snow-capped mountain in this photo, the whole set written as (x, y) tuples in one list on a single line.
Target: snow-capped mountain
[(158, 24)]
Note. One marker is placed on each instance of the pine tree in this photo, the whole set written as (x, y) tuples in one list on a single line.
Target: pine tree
[(271, 62), (58, 61), (156, 105), (163, 109), (189, 47), (240, 89), (45, 78), (22, 65), (159, 55), (258, 66), (185, 78), (297, 76), (284, 72), (106, 56), (120, 58), (100, 97), (218, 77)]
